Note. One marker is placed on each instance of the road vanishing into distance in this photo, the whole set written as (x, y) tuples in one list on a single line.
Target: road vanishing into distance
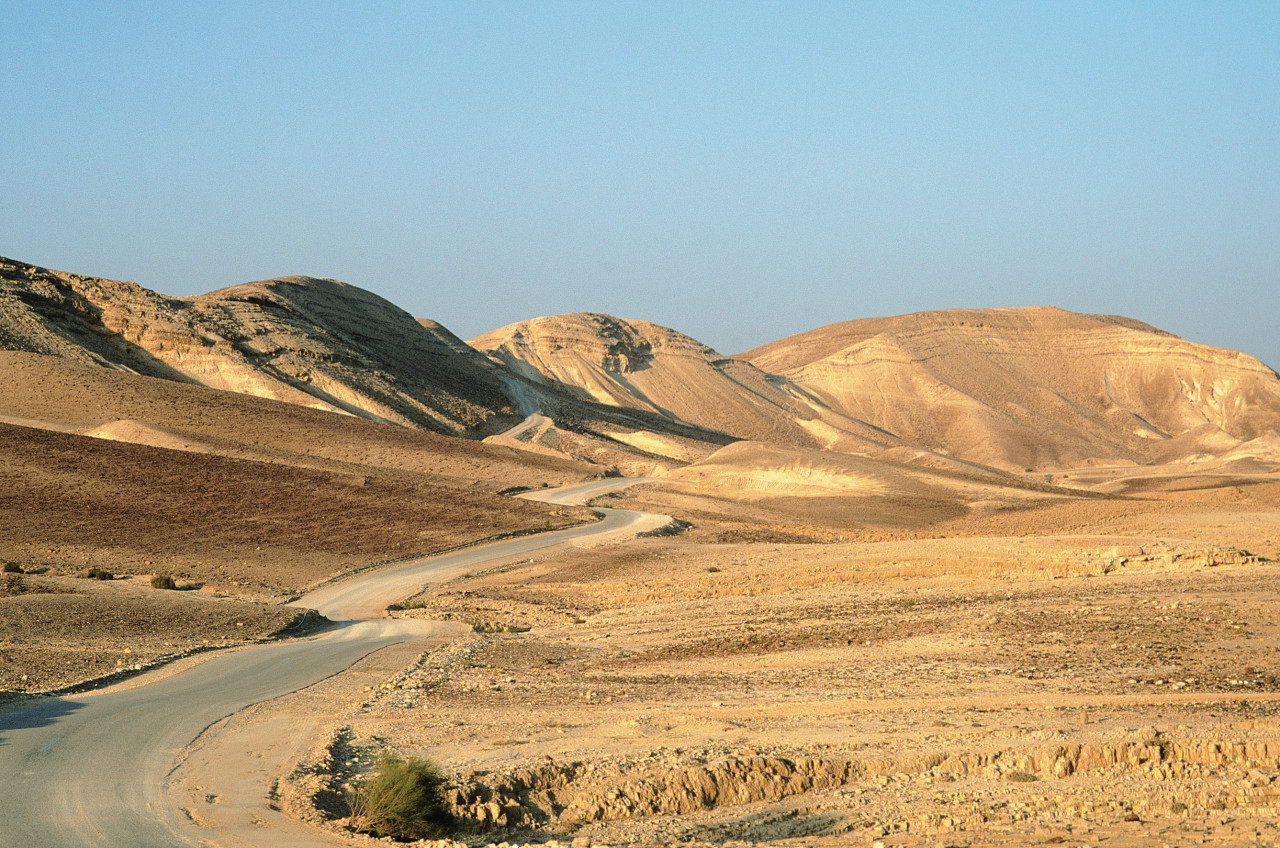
[(91, 769)]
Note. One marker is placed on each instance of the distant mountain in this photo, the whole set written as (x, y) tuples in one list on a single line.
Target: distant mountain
[(1033, 388)]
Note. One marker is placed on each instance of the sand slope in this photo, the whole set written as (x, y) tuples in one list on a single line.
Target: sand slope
[(312, 342), (637, 365), (1033, 388)]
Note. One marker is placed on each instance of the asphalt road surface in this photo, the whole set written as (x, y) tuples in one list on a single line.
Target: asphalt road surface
[(89, 770)]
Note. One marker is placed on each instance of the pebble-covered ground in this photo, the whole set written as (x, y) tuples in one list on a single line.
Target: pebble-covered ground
[(1101, 687)]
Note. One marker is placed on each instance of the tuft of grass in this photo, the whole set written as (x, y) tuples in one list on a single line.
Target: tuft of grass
[(407, 605), (713, 569), (163, 581), (479, 625), (13, 568), (405, 800)]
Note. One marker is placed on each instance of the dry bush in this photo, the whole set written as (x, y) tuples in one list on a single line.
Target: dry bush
[(405, 800)]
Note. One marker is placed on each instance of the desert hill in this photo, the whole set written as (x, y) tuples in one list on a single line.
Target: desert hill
[(637, 365), (102, 467), (795, 485), (52, 393), (313, 342), (1033, 388), (1017, 389), (327, 345)]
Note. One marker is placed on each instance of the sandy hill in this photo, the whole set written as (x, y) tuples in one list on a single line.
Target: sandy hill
[(313, 342), (104, 467), (637, 365), (331, 346), (1010, 388), (53, 393), (803, 489), (1033, 388)]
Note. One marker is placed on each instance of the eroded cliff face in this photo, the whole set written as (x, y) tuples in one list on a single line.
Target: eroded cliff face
[(318, 343)]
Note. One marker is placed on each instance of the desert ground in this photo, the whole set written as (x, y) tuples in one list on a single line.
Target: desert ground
[(1112, 681)]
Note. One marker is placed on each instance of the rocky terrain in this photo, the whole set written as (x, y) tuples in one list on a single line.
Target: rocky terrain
[(317, 343), (1016, 389), (1115, 684), (64, 632), (639, 365)]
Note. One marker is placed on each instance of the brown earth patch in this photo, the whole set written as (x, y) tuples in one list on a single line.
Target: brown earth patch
[(59, 631), (71, 502)]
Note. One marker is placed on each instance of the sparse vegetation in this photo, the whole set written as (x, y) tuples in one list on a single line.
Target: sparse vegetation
[(163, 581), (673, 528), (99, 574), (713, 569), (404, 800), (408, 605), (13, 568), (482, 626)]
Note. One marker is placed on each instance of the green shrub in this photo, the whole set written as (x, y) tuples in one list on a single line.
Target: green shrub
[(162, 581), (405, 800), (100, 574), (12, 568)]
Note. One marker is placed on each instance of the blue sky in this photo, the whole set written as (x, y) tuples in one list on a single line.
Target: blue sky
[(739, 171)]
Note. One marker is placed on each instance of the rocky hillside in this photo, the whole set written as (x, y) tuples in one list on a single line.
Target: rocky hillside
[(1033, 388), (642, 366), (1015, 389), (313, 342)]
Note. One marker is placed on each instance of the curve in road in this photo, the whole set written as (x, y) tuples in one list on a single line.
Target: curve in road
[(90, 770)]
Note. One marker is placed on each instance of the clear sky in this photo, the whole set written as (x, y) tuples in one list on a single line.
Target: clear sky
[(739, 171)]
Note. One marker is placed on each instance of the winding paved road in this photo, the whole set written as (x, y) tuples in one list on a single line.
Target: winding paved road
[(90, 770)]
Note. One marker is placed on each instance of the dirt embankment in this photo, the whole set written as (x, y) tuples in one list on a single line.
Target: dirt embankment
[(69, 502)]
